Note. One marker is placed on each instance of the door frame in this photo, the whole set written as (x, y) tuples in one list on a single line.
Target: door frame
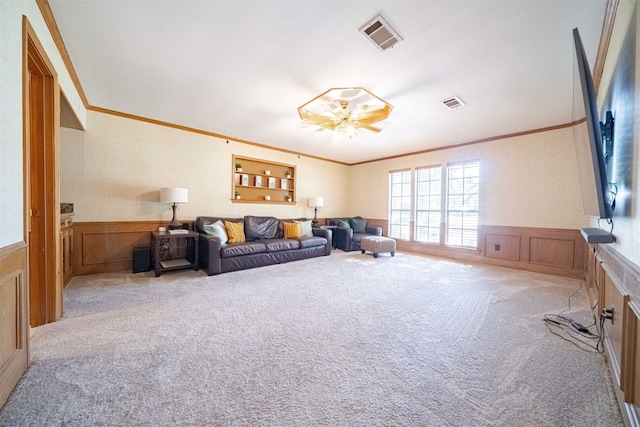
[(51, 304)]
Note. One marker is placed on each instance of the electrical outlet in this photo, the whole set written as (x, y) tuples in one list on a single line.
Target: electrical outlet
[(607, 313)]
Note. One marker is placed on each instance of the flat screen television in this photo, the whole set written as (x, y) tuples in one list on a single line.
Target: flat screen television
[(596, 194)]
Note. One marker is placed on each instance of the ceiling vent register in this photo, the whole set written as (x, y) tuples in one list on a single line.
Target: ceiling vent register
[(453, 103), (380, 33)]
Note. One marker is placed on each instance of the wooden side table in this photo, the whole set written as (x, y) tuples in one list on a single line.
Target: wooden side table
[(174, 251)]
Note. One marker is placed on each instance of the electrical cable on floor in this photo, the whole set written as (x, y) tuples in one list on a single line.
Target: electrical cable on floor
[(574, 332)]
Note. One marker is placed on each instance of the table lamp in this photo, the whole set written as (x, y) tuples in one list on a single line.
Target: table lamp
[(315, 203), (174, 195)]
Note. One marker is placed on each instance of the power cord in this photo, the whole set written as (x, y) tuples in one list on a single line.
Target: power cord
[(574, 332)]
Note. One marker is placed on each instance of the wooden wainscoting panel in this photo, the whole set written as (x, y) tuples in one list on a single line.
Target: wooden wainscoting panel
[(502, 246), (9, 322), (629, 368), (373, 222), (104, 248), (619, 282), (592, 285), (552, 252), (101, 247), (568, 259), (632, 379), (14, 318), (616, 298)]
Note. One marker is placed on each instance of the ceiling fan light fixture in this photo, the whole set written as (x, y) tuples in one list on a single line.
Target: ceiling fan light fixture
[(345, 110)]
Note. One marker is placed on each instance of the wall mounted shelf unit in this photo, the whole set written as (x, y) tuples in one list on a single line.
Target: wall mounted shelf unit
[(262, 181)]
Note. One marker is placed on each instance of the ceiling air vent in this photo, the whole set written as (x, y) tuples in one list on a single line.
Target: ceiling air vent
[(453, 103), (380, 33)]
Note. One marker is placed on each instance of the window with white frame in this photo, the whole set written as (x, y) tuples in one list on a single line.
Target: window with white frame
[(463, 183), (400, 204), (428, 210), (441, 195)]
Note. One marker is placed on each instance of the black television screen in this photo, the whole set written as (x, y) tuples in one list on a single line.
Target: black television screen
[(596, 194)]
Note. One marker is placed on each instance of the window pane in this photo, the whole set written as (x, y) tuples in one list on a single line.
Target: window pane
[(428, 196), (463, 188), (399, 204)]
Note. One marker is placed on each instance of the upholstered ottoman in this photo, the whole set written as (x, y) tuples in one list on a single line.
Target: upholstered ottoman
[(377, 244)]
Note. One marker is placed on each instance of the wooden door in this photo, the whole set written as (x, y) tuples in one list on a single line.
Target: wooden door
[(41, 124)]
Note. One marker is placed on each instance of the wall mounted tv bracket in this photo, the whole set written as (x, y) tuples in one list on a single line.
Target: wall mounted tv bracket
[(606, 129), (607, 135)]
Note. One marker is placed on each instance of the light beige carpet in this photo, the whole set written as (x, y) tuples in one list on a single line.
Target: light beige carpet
[(344, 340)]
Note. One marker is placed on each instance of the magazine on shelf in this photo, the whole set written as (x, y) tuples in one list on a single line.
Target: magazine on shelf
[(178, 231)]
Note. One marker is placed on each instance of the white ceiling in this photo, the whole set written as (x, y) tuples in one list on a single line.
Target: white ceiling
[(242, 68)]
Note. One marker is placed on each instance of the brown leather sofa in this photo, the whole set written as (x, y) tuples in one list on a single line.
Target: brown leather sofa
[(348, 232), (265, 245)]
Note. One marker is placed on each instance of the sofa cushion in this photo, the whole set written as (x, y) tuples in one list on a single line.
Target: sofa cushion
[(292, 230), (333, 221), (260, 227), (277, 245), (217, 230), (239, 249), (343, 223), (305, 228), (235, 231), (358, 224), (311, 242)]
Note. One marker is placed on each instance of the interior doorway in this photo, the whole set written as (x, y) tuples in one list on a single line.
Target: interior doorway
[(41, 99)]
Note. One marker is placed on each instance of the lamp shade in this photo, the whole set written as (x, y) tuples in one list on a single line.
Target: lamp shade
[(174, 195), (316, 202)]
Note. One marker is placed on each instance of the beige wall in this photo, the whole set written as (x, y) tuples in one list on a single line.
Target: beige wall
[(627, 227), (113, 172), (11, 150), (527, 181)]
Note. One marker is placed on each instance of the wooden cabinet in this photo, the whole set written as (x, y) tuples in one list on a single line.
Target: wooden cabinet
[(66, 247), (262, 181)]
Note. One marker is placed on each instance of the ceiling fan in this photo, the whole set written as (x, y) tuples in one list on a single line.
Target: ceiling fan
[(345, 110)]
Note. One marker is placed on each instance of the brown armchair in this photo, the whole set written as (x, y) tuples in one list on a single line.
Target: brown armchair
[(348, 232)]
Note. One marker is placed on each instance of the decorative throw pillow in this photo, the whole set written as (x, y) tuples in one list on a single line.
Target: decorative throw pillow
[(292, 230), (217, 230), (260, 227), (343, 223), (305, 228), (358, 224), (235, 230)]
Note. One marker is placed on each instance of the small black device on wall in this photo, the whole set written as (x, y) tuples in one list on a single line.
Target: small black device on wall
[(141, 259)]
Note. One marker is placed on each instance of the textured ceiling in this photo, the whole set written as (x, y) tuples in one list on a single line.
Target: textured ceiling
[(242, 68)]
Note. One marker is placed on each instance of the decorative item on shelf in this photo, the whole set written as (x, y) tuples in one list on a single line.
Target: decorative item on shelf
[(244, 179), (289, 174), (267, 172), (284, 184), (238, 167), (238, 195), (267, 198), (315, 203), (289, 198), (258, 181), (272, 183), (175, 196)]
